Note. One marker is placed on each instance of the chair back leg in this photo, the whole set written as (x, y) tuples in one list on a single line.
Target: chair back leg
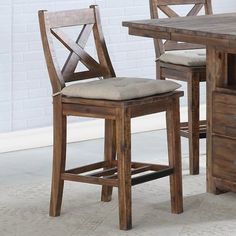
[(193, 124), (109, 155)]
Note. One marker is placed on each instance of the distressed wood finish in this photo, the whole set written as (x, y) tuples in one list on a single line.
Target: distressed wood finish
[(116, 170), (216, 73), (208, 29), (194, 129), (224, 165), (124, 167), (110, 154), (218, 33), (224, 109), (174, 150), (59, 157)]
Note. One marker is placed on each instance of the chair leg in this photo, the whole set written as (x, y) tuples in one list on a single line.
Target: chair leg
[(174, 153), (109, 154), (59, 158), (158, 71), (124, 168), (193, 124)]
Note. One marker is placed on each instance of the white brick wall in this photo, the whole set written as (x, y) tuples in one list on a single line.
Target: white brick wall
[(5, 66), (25, 91)]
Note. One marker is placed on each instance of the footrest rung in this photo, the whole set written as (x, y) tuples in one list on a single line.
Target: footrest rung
[(133, 172), (152, 176), (105, 172), (88, 168), (184, 130), (108, 175), (90, 179)]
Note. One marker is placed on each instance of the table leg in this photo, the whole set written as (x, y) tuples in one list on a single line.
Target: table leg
[(216, 77)]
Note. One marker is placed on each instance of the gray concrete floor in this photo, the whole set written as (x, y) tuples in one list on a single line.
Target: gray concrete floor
[(25, 178), (33, 165)]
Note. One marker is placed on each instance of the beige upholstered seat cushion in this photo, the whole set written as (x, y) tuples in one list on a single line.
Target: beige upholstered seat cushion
[(195, 57), (119, 88)]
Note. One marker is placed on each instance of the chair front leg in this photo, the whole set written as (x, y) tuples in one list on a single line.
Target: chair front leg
[(174, 153), (124, 168), (59, 157), (109, 154)]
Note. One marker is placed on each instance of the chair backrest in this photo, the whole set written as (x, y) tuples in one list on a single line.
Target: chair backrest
[(52, 24), (165, 7)]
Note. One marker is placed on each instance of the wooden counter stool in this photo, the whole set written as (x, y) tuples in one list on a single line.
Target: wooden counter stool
[(116, 100), (184, 62)]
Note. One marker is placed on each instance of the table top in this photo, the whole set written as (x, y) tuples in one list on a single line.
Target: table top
[(220, 28)]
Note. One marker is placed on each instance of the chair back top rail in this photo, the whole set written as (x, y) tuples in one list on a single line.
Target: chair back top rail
[(179, 2), (52, 24), (163, 6), (70, 18)]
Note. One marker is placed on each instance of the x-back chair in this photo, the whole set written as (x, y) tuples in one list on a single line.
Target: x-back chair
[(116, 100), (184, 62)]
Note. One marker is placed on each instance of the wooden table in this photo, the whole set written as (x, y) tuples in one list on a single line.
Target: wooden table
[(218, 33)]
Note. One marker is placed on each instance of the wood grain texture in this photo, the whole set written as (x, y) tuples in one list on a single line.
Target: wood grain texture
[(109, 154), (193, 75), (157, 6), (174, 154), (216, 73), (178, 2), (224, 165), (73, 59), (206, 29), (112, 172), (59, 157), (224, 110), (218, 33), (124, 167), (193, 122), (70, 18)]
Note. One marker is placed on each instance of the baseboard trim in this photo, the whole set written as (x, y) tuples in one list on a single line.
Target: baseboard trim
[(82, 131)]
